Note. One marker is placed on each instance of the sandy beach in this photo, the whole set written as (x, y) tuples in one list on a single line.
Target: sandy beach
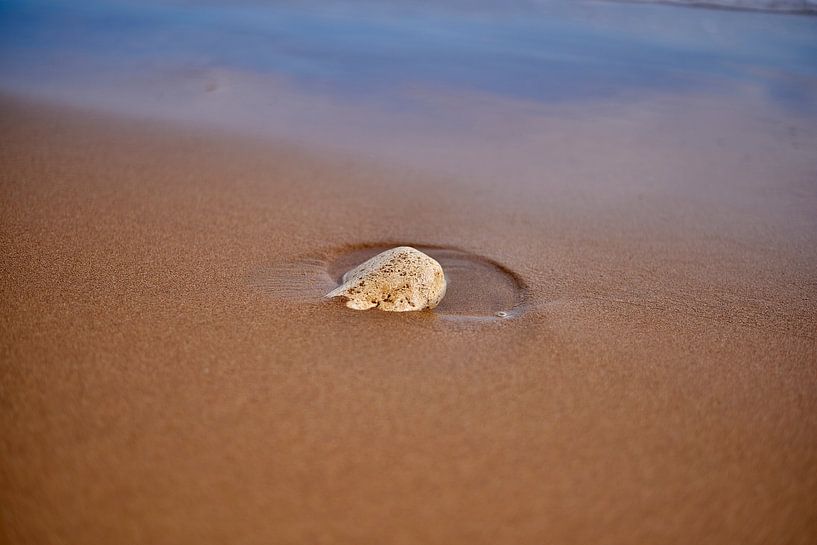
[(622, 197), (171, 373)]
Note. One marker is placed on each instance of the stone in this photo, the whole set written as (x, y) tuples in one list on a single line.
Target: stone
[(397, 280)]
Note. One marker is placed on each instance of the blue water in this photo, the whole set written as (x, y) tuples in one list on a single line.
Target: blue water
[(544, 52)]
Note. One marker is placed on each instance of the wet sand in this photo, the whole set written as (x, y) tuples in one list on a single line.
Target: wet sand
[(170, 373)]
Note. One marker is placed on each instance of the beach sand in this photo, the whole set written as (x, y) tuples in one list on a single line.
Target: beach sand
[(172, 374)]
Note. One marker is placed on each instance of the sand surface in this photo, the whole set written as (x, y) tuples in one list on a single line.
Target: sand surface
[(169, 372)]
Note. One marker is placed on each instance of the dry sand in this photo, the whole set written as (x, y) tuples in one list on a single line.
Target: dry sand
[(168, 376)]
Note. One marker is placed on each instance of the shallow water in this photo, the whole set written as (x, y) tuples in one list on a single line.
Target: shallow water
[(298, 69)]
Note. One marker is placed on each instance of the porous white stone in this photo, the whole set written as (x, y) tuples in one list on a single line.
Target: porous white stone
[(397, 280)]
